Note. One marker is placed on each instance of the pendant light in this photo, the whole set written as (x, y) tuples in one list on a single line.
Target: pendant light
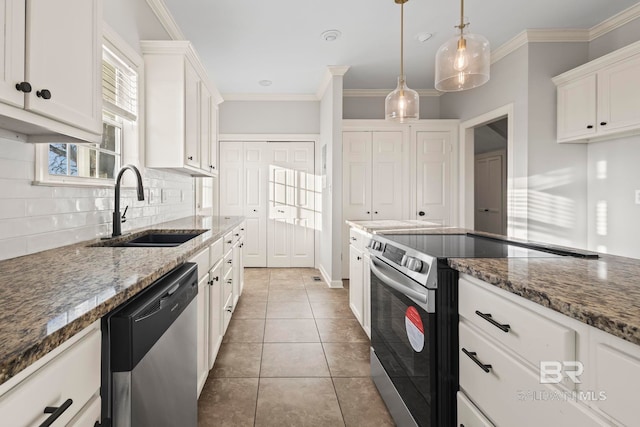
[(403, 104), (463, 62)]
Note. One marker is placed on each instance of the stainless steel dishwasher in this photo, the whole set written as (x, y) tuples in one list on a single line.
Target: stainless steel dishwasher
[(149, 355)]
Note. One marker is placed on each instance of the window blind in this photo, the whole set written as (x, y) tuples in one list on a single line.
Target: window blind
[(119, 86)]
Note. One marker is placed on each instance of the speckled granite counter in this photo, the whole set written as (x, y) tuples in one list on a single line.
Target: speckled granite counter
[(47, 297), (603, 292)]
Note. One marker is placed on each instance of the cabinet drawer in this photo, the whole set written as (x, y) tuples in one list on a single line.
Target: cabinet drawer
[(243, 227), (202, 259), (227, 263), (618, 376), (356, 239), (468, 414), (529, 334), (227, 285), (236, 234), (215, 252), (227, 311), (74, 374), (227, 242), (510, 393), (89, 415)]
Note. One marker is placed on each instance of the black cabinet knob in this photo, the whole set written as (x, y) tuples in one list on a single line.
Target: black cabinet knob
[(190, 157), (603, 123), (590, 127), (368, 212), (23, 87), (44, 94), (421, 213), (376, 212)]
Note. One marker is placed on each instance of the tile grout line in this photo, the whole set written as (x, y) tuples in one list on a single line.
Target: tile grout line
[(264, 331)]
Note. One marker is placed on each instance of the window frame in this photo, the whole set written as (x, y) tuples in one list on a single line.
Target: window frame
[(131, 132)]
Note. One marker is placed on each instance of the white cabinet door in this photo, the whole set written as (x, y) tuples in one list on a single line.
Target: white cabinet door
[(366, 286), (63, 56), (203, 332), (255, 203), (356, 175), (356, 284), (12, 13), (619, 96), (387, 187), (577, 108), (205, 128), (231, 179), (433, 183), (191, 116), (215, 312), (213, 148)]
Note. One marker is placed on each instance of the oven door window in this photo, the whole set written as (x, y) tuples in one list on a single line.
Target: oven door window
[(394, 319)]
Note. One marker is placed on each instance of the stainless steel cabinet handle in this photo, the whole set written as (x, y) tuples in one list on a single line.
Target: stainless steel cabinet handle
[(486, 316), (472, 356), (55, 412)]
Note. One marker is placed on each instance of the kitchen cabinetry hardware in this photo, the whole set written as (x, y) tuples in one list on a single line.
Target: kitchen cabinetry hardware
[(375, 212), (590, 127), (55, 412), (603, 123), (279, 211), (488, 318), (23, 87), (229, 309), (485, 210), (229, 241), (230, 261), (237, 234), (421, 213), (368, 213), (354, 239), (242, 229), (190, 157), (44, 94), (472, 356)]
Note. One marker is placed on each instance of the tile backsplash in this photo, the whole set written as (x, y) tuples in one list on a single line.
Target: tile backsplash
[(34, 218)]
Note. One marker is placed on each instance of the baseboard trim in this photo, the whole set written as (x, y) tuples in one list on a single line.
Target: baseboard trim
[(331, 283)]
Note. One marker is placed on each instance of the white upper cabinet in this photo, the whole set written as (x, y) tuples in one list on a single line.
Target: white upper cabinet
[(179, 105), (50, 62), (600, 99)]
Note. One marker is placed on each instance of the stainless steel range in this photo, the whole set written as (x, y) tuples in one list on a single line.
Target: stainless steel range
[(414, 320)]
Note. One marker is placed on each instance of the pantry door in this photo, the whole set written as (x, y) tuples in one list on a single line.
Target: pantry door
[(291, 204), (255, 204), (433, 183)]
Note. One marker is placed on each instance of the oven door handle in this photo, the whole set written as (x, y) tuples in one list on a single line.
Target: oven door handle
[(377, 267)]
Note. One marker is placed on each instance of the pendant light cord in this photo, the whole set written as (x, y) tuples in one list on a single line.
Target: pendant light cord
[(402, 39)]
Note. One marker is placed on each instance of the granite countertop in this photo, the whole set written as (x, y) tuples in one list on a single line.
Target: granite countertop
[(47, 297), (603, 292)]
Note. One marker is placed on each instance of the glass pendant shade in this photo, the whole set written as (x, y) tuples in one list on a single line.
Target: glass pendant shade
[(462, 63), (403, 104)]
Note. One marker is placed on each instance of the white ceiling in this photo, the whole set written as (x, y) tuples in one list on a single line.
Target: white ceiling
[(244, 41)]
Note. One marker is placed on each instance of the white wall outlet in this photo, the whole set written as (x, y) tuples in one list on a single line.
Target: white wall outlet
[(637, 197)]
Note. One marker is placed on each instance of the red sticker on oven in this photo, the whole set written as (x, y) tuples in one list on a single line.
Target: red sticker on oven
[(415, 329)]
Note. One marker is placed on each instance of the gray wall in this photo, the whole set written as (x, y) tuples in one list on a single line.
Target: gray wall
[(373, 107), (615, 39), (270, 117), (133, 20)]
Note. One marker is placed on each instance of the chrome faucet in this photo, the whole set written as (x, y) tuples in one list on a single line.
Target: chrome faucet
[(117, 219)]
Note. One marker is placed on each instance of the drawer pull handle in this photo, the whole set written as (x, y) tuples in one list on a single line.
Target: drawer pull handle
[(230, 261), (472, 356), (229, 241), (55, 412), (488, 318)]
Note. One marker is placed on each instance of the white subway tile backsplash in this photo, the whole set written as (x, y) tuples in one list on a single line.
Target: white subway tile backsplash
[(35, 218)]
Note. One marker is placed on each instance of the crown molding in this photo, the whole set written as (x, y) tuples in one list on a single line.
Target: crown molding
[(616, 21), (331, 72), (539, 36), (269, 97), (161, 11), (377, 93)]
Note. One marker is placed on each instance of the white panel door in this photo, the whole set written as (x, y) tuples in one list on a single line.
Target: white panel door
[(232, 179), (191, 116), (12, 51), (433, 186), (386, 175), (291, 212), (489, 190), (577, 108), (255, 203), (356, 185), (205, 128)]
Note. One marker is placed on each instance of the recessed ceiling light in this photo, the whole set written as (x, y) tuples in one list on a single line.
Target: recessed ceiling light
[(423, 37), (265, 82), (331, 35)]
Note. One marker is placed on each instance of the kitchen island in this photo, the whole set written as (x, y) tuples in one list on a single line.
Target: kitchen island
[(48, 297)]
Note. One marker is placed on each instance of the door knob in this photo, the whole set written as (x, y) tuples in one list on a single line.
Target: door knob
[(421, 213), (44, 94), (23, 87)]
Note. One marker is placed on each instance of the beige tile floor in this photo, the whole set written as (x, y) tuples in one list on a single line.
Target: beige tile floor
[(294, 355)]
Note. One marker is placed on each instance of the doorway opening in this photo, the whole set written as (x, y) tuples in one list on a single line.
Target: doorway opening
[(490, 177), (487, 177)]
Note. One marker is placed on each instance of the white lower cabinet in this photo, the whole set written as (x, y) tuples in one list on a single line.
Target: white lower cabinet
[(203, 331), (360, 278), (69, 376), (526, 365), (215, 312)]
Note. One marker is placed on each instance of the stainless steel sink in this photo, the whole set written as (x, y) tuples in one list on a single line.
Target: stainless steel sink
[(152, 239)]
